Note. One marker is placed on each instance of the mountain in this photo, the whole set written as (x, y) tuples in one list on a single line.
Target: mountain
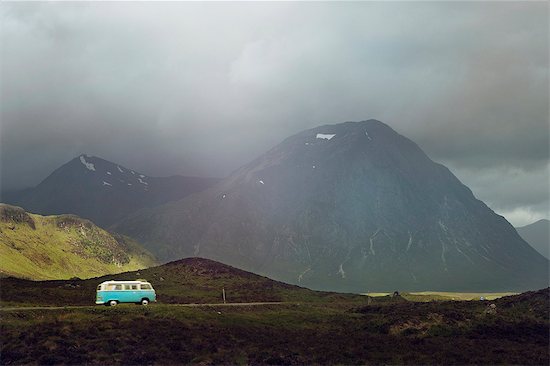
[(191, 280), (347, 207), (538, 235), (102, 191), (57, 247)]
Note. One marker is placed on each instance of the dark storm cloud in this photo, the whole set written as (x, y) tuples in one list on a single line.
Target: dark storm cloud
[(201, 88)]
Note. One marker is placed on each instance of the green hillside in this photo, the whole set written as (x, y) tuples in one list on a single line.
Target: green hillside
[(61, 247)]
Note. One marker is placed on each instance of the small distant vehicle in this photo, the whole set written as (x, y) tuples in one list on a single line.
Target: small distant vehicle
[(112, 293)]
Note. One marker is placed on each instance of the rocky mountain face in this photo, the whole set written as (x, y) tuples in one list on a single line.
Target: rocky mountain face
[(537, 235), (102, 191), (60, 247), (346, 207)]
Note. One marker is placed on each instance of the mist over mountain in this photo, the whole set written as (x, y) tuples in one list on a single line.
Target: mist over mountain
[(537, 235), (102, 191), (348, 207)]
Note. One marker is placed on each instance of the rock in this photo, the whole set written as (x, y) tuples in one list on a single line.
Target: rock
[(491, 309)]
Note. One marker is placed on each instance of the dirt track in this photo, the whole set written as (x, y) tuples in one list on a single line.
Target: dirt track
[(184, 305)]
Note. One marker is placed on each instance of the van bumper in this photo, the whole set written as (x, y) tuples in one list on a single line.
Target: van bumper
[(99, 302)]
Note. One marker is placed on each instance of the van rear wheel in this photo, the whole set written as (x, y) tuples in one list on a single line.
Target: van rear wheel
[(113, 303), (144, 302)]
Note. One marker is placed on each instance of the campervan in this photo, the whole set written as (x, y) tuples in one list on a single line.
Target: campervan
[(112, 293)]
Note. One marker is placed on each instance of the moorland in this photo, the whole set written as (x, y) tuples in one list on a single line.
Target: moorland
[(305, 327)]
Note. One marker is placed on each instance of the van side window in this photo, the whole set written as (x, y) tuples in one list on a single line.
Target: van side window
[(145, 287), (118, 287), (134, 287), (127, 287)]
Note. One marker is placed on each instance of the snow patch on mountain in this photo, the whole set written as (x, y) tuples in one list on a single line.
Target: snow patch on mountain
[(107, 183), (301, 275), (409, 242), (341, 271), (325, 136), (142, 182), (120, 169), (88, 166)]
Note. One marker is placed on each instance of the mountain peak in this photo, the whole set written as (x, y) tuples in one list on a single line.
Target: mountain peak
[(368, 132), (351, 127), (337, 149), (103, 191)]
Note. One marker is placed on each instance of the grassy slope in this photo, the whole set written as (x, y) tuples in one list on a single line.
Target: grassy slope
[(385, 332), (190, 280), (57, 247)]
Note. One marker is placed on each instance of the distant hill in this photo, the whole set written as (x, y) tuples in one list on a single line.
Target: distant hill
[(190, 280), (61, 247), (352, 207), (102, 191), (537, 235)]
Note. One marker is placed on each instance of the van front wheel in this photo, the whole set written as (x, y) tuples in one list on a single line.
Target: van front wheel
[(144, 302), (113, 303)]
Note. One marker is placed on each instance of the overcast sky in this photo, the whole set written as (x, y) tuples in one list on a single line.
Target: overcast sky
[(202, 88)]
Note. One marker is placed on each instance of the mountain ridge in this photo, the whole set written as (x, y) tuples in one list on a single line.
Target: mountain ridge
[(537, 234), (103, 191)]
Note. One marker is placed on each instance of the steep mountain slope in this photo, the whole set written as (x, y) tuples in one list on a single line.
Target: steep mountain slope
[(347, 207), (191, 280), (102, 191), (537, 235), (57, 247)]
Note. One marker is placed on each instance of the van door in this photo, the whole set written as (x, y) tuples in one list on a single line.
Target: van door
[(136, 297), (131, 293)]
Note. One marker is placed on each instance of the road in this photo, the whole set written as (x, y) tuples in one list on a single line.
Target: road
[(182, 305)]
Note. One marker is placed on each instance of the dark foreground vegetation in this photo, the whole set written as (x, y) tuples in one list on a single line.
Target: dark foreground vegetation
[(510, 330), (310, 327)]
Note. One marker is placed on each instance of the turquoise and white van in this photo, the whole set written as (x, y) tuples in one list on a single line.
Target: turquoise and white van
[(114, 292)]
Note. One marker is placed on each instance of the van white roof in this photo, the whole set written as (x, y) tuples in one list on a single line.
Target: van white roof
[(117, 282)]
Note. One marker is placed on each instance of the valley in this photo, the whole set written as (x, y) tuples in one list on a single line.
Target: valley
[(320, 251)]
